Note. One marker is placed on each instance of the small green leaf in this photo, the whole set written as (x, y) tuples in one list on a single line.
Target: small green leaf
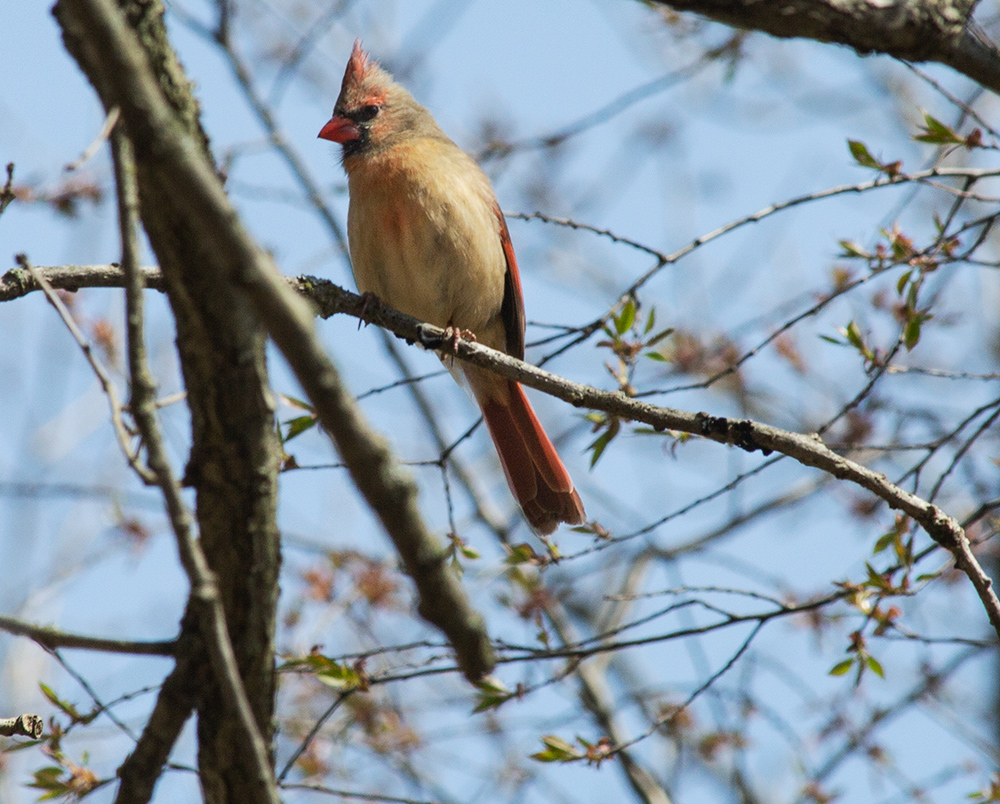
[(911, 334), (854, 337), (338, 676), (852, 249), (291, 401), (521, 554), (834, 341), (657, 356), (64, 706), (600, 444), (862, 156), (883, 542), (491, 693), (937, 133), (625, 319), (853, 334), (556, 750), (329, 672), (650, 321), (874, 666), (901, 284), (298, 425), (659, 336), (841, 668), (487, 701)]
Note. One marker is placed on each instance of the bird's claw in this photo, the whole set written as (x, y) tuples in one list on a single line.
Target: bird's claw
[(452, 336)]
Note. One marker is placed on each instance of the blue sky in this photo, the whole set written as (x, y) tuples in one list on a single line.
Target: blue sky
[(669, 168)]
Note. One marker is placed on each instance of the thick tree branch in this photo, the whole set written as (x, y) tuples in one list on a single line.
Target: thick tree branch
[(916, 30), (179, 694), (235, 453), (748, 435), (331, 299), (21, 726), (389, 491)]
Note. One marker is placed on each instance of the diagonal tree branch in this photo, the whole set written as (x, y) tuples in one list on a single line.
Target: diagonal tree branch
[(387, 488), (748, 435)]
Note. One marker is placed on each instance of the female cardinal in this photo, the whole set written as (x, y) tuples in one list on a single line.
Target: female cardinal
[(427, 237)]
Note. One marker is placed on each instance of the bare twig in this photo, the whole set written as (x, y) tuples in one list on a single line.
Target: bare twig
[(7, 193), (18, 282), (921, 30), (313, 732), (674, 712), (109, 123), (354, 794), (264, 114), (663, 258), (53, 638), (122, 432), (595, 697)]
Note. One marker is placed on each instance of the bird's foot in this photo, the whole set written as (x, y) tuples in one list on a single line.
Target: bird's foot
[(452, 335)]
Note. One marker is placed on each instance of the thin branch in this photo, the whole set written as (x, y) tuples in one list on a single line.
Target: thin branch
[(962, 105), (7, 193), (100, 707), (267, 120), (610, 110), (109, 123), (883, 715), (318, 28), (19, 282), (664, 258), (595, 697), (674, 712), (110, 391), (312, 733), (354, 794), (919, 30), (51, 638)]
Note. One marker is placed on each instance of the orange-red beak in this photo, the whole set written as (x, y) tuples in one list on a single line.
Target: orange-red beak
[(340, 129)]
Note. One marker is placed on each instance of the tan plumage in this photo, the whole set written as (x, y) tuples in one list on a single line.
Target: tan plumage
[(427, 237)]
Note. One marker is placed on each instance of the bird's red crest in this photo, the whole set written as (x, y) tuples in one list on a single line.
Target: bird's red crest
[(364, 80), (356, 65)]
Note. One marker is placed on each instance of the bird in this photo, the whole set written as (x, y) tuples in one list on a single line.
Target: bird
[(427, 237)]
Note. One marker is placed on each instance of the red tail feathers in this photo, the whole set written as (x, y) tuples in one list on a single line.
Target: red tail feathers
[(535, 473)]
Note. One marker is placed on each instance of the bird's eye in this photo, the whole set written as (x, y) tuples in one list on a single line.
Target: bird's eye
[(366, 113)]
